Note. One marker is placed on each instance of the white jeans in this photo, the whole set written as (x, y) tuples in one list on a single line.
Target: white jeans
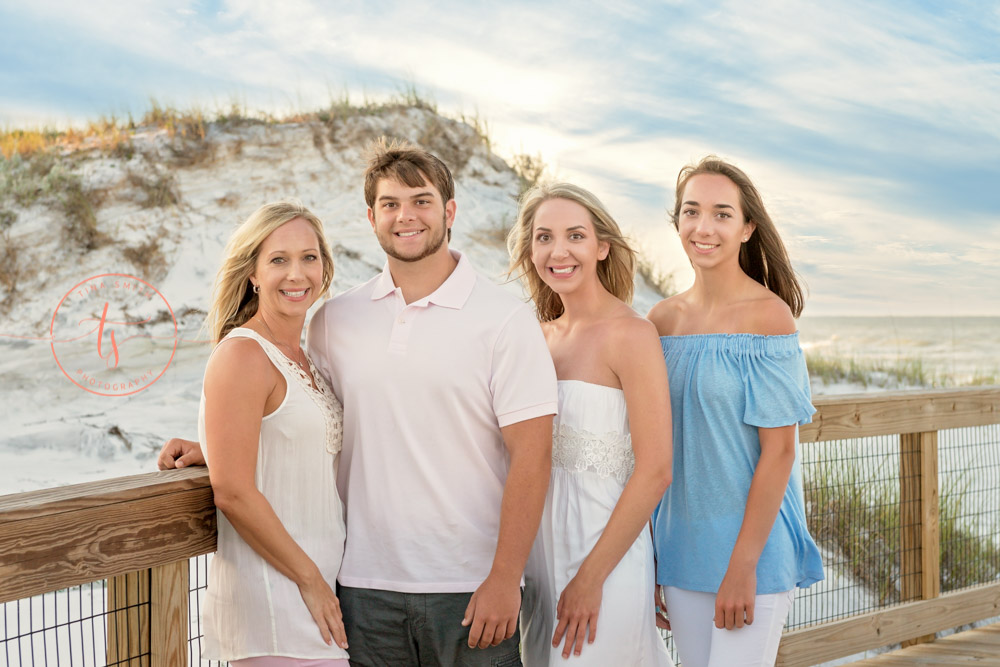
[(701, 644)]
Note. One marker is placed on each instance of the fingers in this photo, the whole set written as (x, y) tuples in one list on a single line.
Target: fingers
[(730, 616), (335, 620), (168, 454), (560, 629)]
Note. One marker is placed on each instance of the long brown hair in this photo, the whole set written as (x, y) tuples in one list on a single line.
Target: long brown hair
[(616, 271), (763, 257)]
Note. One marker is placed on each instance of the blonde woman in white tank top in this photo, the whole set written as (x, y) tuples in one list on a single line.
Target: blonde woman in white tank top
[(272, 429)]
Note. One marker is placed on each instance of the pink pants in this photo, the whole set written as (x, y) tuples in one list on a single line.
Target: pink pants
[(280, 661)]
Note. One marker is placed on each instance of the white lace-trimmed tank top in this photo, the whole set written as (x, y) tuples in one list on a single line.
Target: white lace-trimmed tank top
[(250, 608)]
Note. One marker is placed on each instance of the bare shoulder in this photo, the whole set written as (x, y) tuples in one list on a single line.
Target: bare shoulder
[(631, 329), (768, 315), (666, 314), (239, 360)]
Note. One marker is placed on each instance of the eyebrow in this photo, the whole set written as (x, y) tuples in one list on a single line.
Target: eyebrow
[(419, 195), (568, 229), (694, 203), (279, 252)]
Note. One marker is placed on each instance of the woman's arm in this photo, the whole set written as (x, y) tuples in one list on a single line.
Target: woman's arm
[(637, 359), (241, 385), (735, 600)]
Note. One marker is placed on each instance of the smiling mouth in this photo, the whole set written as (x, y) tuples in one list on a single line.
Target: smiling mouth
[(294, 295), (407, 235), (562, 270), (704, 246)]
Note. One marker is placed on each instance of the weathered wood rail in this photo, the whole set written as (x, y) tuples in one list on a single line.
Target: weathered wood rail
[(916, 417), (139, 532)]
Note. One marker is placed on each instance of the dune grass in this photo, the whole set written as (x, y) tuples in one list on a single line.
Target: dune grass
[(858, 514)]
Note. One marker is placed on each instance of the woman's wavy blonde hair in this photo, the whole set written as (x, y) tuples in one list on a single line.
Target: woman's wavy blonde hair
[(233, 299), (616, 271)]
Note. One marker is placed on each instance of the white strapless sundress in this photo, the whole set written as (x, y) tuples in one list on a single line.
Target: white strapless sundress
[(592, 460)]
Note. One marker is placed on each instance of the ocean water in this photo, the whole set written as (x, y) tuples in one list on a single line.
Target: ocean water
[(952, 350)]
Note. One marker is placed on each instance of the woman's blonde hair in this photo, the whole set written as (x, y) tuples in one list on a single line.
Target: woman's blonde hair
[(763, 257), (616, 272), (233, 299)]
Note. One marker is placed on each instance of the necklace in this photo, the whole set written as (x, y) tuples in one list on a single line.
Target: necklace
[(293, 356)]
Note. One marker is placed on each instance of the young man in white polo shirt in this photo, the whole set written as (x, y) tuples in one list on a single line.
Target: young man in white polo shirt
[(448, 393), (445, 378)]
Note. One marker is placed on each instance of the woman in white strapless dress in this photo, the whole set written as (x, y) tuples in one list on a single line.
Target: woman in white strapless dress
[(589, 580)]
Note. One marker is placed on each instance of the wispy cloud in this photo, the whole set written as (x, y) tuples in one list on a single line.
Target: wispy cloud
[(870, 127)]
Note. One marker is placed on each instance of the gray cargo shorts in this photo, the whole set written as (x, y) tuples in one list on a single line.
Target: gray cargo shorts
[(390, 629)]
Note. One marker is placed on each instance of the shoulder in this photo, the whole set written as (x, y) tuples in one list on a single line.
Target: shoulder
[(349, 297), (630, 329), (238, 359), (666, 314), (767, 315), (631, 339)]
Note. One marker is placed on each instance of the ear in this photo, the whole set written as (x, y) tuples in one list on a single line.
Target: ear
[(371, 217), (749, 227), (449, 212), (603, 248)]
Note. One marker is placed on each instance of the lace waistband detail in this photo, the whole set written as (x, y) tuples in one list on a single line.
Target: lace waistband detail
[(607, 454)]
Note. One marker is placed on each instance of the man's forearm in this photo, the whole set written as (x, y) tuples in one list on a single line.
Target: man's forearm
[(521, 510)]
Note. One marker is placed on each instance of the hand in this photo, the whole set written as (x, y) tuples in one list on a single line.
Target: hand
[(177, 453), (492, 612), (660, 604), (735, 600), (324, 607), (576, 611)]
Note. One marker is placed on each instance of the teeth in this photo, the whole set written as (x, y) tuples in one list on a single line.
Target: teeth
[(703, 246), (294, 295), (567, 270), (408, 234)]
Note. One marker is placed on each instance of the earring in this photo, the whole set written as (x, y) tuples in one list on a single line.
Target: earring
[(256, 289)]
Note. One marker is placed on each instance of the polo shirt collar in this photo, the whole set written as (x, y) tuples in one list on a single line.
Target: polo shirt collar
[(452, 293)]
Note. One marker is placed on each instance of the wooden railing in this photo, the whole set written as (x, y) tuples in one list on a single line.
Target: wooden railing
[(917, 418), (139, 532)]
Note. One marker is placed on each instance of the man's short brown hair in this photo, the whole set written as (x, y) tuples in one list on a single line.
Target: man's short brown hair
[(406, 164)]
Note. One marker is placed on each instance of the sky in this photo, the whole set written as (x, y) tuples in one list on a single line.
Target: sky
[(872, 128)]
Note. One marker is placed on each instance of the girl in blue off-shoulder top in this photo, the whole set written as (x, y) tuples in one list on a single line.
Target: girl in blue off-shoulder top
[(730, 533)]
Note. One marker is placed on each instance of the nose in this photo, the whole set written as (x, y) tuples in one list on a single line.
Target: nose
[(294, 269), (559, 248), (701, 225), (404, 212)]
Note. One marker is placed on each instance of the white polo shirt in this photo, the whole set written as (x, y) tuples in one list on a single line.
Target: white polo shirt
[(426, 388)]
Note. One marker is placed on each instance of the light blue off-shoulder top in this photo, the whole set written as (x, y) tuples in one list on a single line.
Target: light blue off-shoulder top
[(723, 387)]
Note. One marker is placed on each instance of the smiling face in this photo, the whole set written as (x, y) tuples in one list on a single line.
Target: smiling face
[(710, 222), (564, 245), (411, 223), (289, 269)]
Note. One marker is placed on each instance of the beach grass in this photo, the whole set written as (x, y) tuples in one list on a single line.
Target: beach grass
[(858, 513), (900, 373)]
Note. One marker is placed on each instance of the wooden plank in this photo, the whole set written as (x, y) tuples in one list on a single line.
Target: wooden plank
[(861, 415), (920, 552), (828, 641), (59, 549), (127, 619), (168, 611), (980, 646), (20, 506)]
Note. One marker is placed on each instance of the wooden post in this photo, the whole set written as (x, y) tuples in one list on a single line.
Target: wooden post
[(168, 610), (127, 619), (920, 555)]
